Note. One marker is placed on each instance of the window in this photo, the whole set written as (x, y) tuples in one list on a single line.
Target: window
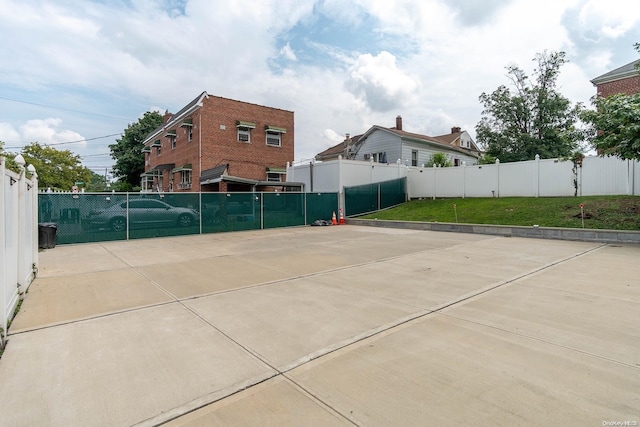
[(158, 145), (185, 179), (274, 135), (273, 138), (377, 157), (190, 133), (244, 130), (414, 158), (172, 138), (244, 134), (274, 177)]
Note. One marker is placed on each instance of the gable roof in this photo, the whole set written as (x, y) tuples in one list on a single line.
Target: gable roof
[(177, 118), (620, 73), (449, 138), (338, 149), (211, 175)]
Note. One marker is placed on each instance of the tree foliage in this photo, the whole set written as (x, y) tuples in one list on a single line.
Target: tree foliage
[(59, 169), (533, 118), (129, 159), (440, 160), (615, 125), (96, 183)]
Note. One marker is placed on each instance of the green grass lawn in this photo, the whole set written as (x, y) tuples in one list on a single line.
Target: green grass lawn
[(600, 212)]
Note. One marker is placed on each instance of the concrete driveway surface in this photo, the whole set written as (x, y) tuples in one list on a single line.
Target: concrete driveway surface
[(345, 325)]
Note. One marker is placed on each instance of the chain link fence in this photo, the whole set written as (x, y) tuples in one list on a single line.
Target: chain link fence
[(361, 199), (96, 217)]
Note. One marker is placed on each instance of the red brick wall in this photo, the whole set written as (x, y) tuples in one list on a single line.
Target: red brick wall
[(215, 123), (627, 86)]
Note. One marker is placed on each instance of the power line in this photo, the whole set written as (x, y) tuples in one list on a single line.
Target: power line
[(94, 155), (62, 109), (85, 140), (70, 142)]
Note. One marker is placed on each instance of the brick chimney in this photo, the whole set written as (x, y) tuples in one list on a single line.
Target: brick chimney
[(456, 129), (167, 116), (399, 123)]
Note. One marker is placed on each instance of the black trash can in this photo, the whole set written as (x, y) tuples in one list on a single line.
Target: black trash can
[(47, 235)]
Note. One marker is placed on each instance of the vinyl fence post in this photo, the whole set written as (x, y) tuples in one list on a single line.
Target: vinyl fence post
[(464, 179), (537, 175)]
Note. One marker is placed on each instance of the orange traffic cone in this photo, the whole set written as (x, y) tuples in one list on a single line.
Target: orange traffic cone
[(341, 217), (333, 219)]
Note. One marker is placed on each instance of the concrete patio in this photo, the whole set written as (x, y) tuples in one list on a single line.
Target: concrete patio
[(346, 325)]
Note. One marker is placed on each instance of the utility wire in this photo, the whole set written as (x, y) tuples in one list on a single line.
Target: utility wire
[(69, 142), (63, 109)]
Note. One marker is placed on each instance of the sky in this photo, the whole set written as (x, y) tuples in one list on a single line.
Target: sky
[(75, 73)]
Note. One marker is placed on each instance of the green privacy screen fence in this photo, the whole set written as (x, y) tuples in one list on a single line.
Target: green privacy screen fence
[(96, 217), (366, 198)]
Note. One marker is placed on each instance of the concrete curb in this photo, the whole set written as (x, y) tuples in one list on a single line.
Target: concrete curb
[(578, 234)]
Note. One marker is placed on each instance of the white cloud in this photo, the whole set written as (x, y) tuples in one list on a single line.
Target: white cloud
[(611, 18), (48, 131), (379, 81), (8, 134), (288, 53)]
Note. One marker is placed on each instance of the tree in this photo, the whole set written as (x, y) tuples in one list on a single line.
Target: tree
[(127, 151), (535, 119), (614, 125), (96, 183), (59, 169), (440, 160), (9, 163), (486, 159)]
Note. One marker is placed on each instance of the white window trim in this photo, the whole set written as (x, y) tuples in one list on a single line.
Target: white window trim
[(242, 130)]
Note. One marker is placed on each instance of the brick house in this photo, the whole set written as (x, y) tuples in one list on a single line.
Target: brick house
[(219, 144), (625, 80), (387, 145)]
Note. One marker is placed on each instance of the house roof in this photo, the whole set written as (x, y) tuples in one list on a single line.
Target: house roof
[(449, 137), (337, 149), (177, 118), (210, 175), (620, 73)]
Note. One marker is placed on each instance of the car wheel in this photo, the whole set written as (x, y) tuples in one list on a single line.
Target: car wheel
[(118, 224), (185, 220)]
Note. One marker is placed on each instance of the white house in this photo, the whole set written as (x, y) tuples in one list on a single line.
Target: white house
[(387, 145)]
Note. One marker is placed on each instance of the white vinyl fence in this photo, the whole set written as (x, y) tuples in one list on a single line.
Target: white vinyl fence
[(597, 176), (18, 237), (334, 175), (533, 178)]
